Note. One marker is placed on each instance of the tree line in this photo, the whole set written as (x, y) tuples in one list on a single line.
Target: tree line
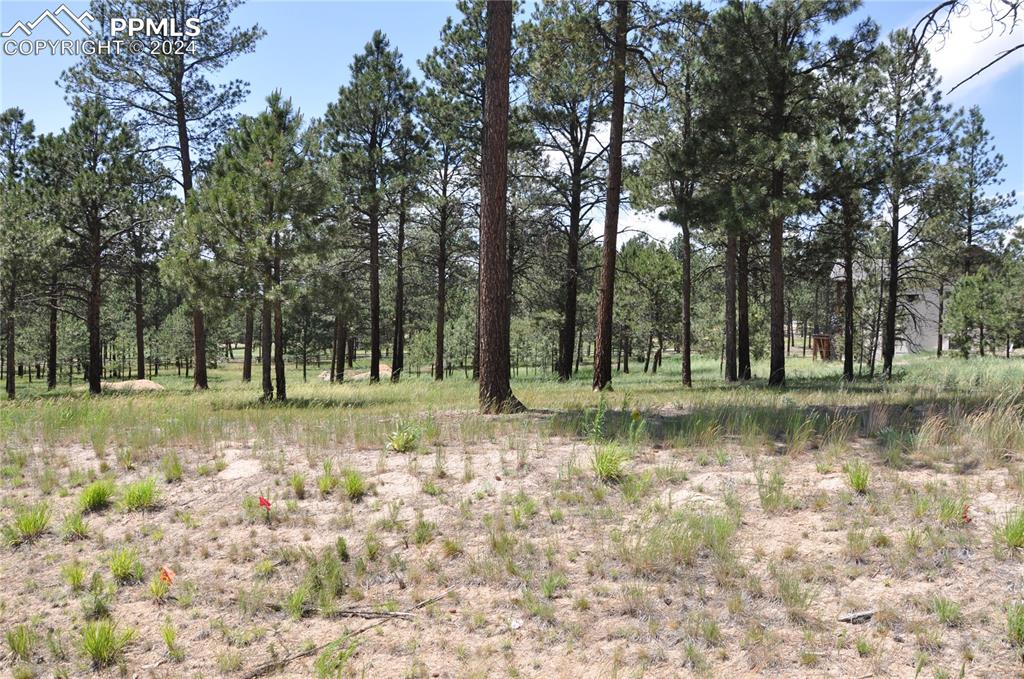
[(819, 182)]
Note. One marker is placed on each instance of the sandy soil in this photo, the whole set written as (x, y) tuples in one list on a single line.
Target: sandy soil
[(493, 617)]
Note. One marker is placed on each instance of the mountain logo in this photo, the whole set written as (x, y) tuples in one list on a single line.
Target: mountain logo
[(63, 10)]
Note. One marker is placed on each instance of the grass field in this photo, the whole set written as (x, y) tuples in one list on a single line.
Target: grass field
[(822, 530)]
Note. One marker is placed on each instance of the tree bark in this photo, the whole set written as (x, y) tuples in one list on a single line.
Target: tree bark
[(848, 230), (743, 309), (730, 308), (266, 335), (9, 310), (374, 291), (51, 349), (889, 346), (495, 389), (606, 292), (247, 348), (442, 302), (942, 304), (777, 371), (92, 316), (140, 319), (398, 344), (567, 337)]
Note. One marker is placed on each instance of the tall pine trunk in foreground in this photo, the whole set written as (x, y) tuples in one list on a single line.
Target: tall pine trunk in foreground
[(495, 390), (603, 341), (848, 310)]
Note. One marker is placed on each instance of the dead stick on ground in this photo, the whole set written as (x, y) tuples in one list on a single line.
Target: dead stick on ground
[(266, 668)]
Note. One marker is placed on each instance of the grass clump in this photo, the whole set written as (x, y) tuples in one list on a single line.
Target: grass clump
[(21, 639), (171, 468), (333, 660), (947, 611), (858, 474), (97, 495), (354, 485), (678, 540), (1015, 626), (610, 463), (125, 565), (298, 484), (770, 490), (1011, 531), (74, 574), (74, 527), (140, 495), (29, 523), (170, 637), (103, 643), (792, 592)]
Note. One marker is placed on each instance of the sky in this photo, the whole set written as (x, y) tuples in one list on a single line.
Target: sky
[(309, 46)]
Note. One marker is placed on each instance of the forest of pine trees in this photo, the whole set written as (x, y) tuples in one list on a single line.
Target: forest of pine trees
[(468, 224)]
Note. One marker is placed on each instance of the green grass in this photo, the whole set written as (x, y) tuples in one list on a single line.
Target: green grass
[(1015, 626), (947, 611), (140, 495), (858, 475), (29, 523), (97, 495), (102, 643), (74, 527), (609, 463), (125, 565), (354, 485), (21, 639), (1011, 531)]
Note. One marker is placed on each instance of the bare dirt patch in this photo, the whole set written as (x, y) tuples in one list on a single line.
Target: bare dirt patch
[(542, 570)]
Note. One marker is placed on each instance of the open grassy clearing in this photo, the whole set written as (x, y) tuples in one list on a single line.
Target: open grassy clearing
[(658, 532)]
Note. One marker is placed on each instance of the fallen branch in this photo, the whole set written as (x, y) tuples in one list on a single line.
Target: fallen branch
[(266, 668)]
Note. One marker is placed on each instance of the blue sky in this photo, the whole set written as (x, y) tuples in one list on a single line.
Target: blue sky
[(309, 46)]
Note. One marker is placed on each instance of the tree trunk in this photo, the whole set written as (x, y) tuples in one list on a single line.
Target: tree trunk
[(687, 308), (279, 366), (743, 309), (92, 318), (942, 304), (339, 372), (9, 311), (567, 337), (247, 349), (889, 346), (495, 390), (777, 372), (579, 348), (605, 304), (398, 344), (848, 226), (374, 293), (266, 335), (442, 302), (51, 349), (730, 308)]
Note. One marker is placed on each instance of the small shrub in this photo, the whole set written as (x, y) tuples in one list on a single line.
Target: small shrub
[(29, 523), (102, 642), (97, 495), (125, 566), (609, 463), (858, 473), (354, 485), (170, 466), (140, 495), (403, 440)]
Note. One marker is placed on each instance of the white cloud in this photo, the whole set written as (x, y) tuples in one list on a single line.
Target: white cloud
[(972, 42)]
